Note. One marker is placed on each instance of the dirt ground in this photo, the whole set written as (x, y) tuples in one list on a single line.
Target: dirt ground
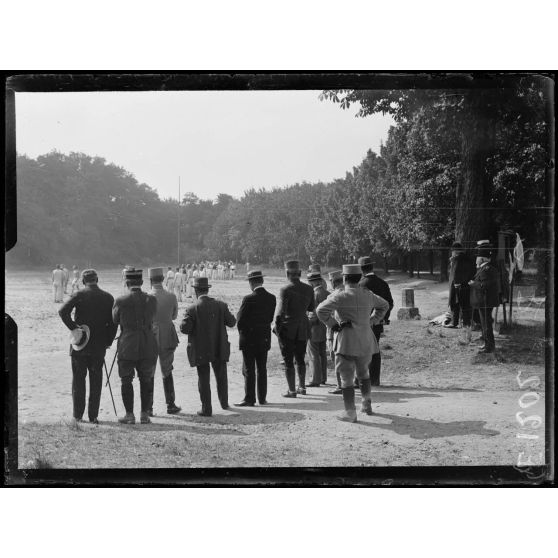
[(440, 402)]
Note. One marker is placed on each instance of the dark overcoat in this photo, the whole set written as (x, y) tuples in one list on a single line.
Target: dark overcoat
[(291, 320), (93, 307), (318, 330), (254, 320), (205, 324), (379, 287), (485, 289), (167, 311), (135, 312)]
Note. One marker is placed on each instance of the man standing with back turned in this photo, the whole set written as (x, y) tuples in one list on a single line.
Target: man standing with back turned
[(349, 312), (165, 332), (137, 345), (379, 287), (92, 320), (317, 344), (292, 326), (254, 320)]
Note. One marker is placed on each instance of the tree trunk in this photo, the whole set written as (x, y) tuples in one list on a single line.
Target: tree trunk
[(444, 261), (472, 216), (411, 264), (386, 265), (431, 261)]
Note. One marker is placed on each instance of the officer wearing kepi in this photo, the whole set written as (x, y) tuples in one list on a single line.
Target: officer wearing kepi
[(137, 345), (351, 312), (292, 327), (317, 344), (165, 332)]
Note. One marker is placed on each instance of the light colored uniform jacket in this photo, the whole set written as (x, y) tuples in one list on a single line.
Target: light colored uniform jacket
[(363, 309), (167, 311)]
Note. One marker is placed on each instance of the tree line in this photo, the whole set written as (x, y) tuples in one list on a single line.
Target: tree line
[(456, 165)]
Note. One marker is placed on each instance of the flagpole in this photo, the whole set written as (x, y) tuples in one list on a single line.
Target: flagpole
[(178, 226)]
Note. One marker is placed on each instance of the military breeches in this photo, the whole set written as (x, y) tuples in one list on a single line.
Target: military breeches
[(346, 366), (81, 364), (166, 360)]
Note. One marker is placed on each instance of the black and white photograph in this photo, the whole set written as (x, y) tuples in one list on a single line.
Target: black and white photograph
[(302, 276)]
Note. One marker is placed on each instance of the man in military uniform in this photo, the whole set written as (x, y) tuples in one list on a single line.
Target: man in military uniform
[(254, 320), (93, 320), (165, 333), (462, 270), (379, 287), (336, 280), (485, 294), (351, 312), (292, 327), (137, 345), (317, 344), (205, 324)]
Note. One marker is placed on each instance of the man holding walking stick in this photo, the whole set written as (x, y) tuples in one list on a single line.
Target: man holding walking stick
[(92, 331)]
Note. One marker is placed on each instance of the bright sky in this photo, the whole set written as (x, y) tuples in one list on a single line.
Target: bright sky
[(216, 141)]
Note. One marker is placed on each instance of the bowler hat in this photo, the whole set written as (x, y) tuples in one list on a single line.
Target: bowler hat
[(133, 273), (201, 283), (315, 267), (292, 265), (155, 272), (365, 260), (89, 275), (334, 275), (352, 269), (79, 337), (255, 275), (314, 276)]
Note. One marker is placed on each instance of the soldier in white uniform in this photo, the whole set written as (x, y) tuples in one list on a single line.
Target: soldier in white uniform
[(58, 284), (177, 285), (351, 312), (169, 281)]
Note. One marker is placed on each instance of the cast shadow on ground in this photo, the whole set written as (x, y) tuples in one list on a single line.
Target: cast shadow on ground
[(421, 429), (174, 427)]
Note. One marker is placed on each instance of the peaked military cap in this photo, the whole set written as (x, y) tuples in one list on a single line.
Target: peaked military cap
[(155, 272), (255, 275), (365, 260), (292, 265), (133, 273), (89, 275), (334, 275), (352, 269)]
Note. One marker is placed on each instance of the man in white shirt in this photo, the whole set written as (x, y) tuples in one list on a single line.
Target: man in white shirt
[(58, 284), (177, 285), (169, 281)]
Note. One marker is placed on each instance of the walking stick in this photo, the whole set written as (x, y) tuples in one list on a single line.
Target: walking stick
[(110, 389), (111, 366)]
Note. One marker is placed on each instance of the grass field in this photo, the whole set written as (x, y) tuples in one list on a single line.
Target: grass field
[(440, 403)]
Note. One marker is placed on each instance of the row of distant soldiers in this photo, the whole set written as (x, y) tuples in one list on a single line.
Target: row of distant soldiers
[(350, 318)]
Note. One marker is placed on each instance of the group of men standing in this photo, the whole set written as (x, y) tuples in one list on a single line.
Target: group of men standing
[(306, 315)]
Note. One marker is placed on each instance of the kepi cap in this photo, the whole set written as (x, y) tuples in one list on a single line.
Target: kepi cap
[(155, 272), (292, 265), (133, 273)]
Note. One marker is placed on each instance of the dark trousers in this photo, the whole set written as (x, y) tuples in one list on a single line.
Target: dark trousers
[(146, 371), (294, 350), (460, 305), (81, 364), (375, 366), (253, 360), (486, 325), (318, 361), (204, 387)]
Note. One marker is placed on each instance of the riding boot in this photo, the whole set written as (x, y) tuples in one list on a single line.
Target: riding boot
[(349, 401), (127, 391), (365, 390), (146, 395), (168, 387), (291, 383), (301, 373)]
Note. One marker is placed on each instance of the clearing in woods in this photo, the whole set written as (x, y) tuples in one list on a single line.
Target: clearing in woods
[(440, 402)]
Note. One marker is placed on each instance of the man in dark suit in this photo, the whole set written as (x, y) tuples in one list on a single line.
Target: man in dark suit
[(336, 280), (92, 309), (462, 270), (254, 320), (485, 294), (205, 324), (317, 349), (137, 345), (292, 327), (380, 288)]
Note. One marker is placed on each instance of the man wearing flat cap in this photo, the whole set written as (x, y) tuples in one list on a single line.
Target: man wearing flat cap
[(292, 327), (165, 332), (317, 344), (351, 312), (462, 270), (253, 321), (379, 287), (137, 345), (205, 322), (92, 309), (485, 293)]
